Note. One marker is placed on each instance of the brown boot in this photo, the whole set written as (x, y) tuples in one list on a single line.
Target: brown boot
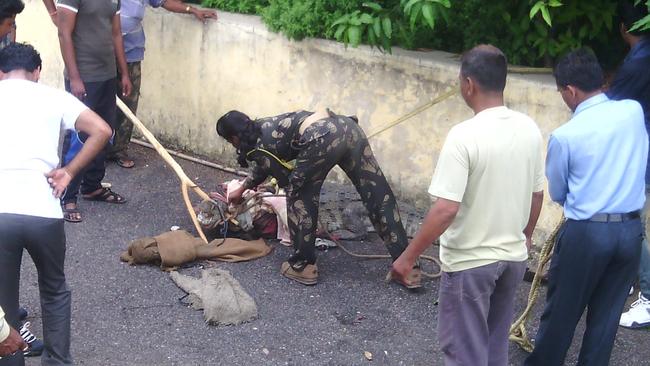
[(413, 280), (308, 276)]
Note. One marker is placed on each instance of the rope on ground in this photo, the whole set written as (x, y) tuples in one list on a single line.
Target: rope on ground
[(435, 260), (415, 112), (518, 333)]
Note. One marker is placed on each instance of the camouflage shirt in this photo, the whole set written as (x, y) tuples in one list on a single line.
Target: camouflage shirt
[(278, 136)]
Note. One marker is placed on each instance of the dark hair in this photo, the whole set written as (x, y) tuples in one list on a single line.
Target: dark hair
[(487, 66), (236, 123), (579, 68), (630, 14), (9, 8), (19, 56)]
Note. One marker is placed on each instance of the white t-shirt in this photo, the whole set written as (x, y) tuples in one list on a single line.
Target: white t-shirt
[(491, 164), (32, 117)]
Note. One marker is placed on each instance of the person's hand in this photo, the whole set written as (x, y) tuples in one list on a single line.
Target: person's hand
[(12, 344), (78, 89), (58, 180), (204, 15), (401, 269), (235, 194), (126, 86)]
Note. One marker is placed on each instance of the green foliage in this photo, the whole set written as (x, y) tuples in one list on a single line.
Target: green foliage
[(530, 32), (306, 18), (643, 24), (237, 6)]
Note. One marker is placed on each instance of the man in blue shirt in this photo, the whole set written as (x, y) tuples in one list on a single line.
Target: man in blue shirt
[(633, 82), (131, 15), (595, 167)]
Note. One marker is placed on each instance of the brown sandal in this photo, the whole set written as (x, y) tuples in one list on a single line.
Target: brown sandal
[(105, 195), (69, 214)]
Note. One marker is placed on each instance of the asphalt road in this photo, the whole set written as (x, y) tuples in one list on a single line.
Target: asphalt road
[(124, 315)]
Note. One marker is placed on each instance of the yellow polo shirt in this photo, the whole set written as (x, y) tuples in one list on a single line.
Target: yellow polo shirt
[(491, 164)]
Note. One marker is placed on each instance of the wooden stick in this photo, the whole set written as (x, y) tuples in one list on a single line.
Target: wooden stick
[(186, 182)]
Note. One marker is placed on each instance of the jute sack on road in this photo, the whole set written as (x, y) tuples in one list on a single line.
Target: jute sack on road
[(219, 295), (175, 248)]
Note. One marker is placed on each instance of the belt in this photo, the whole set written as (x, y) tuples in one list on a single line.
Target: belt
[(603, 217)]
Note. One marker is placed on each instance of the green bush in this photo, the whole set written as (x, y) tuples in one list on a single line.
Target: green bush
[(530, 32), (237, 6)]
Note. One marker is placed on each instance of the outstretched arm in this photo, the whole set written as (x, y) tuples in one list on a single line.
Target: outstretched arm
[(177, 6), (440, 216)]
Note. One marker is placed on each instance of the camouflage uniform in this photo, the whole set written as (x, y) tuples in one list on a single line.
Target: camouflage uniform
[(124, 127), (337, 140)]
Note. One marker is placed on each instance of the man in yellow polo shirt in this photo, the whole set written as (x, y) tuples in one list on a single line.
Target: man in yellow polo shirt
[(489, 186)]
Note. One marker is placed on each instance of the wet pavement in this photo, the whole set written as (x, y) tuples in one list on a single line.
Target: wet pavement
[(126, 315)]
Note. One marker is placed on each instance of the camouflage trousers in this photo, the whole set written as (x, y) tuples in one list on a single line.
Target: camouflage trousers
[(338, 140), (123, 126)]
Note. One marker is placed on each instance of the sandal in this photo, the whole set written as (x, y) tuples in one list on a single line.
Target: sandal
[(125, 163), (71, 214), (105, 195), (122, 161), (412, 282)]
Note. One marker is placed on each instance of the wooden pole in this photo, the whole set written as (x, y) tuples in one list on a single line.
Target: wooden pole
[(186, 182)]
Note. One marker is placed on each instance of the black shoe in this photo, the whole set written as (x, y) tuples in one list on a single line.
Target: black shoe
[(34, 345)]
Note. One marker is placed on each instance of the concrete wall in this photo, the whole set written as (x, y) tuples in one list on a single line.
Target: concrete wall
[(194, 72)]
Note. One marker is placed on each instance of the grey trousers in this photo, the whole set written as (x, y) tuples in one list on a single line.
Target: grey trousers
[(475, 313), (44, 240)]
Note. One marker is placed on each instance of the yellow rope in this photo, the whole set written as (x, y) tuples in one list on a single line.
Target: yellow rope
[(518, 333), (415, 112)]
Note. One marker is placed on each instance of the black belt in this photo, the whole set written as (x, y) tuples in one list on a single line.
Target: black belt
[(603, 217)]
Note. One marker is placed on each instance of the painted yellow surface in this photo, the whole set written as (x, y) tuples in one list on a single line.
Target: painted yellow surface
[(194, 72)]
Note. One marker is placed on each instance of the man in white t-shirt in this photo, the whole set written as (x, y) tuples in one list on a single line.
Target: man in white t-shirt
[(489, 186), (32, 117)]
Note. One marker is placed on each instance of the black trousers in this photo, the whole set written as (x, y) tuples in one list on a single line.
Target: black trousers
[(593, 267), (101, 99), (44, 240), (338, 140)]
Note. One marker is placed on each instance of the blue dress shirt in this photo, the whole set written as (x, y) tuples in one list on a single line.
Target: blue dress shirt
[(596, 162), (131, 15)]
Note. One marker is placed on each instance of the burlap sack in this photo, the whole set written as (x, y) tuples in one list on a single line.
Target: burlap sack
[(233, 250), (175, 248)]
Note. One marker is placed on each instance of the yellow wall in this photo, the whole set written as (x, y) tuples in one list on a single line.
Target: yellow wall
[(194, 72)]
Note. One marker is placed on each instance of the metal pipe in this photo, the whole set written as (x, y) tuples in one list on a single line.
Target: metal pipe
[(193, 159)]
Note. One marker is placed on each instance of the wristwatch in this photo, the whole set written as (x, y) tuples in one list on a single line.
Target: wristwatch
[(187, 9)]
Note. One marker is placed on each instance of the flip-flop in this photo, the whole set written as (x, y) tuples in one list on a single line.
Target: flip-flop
[(105, 195)]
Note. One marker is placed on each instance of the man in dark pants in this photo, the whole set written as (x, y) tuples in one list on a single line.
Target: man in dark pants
[(632, 81), (30, 188), (92, 49), (595, 167), (318, 142)]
